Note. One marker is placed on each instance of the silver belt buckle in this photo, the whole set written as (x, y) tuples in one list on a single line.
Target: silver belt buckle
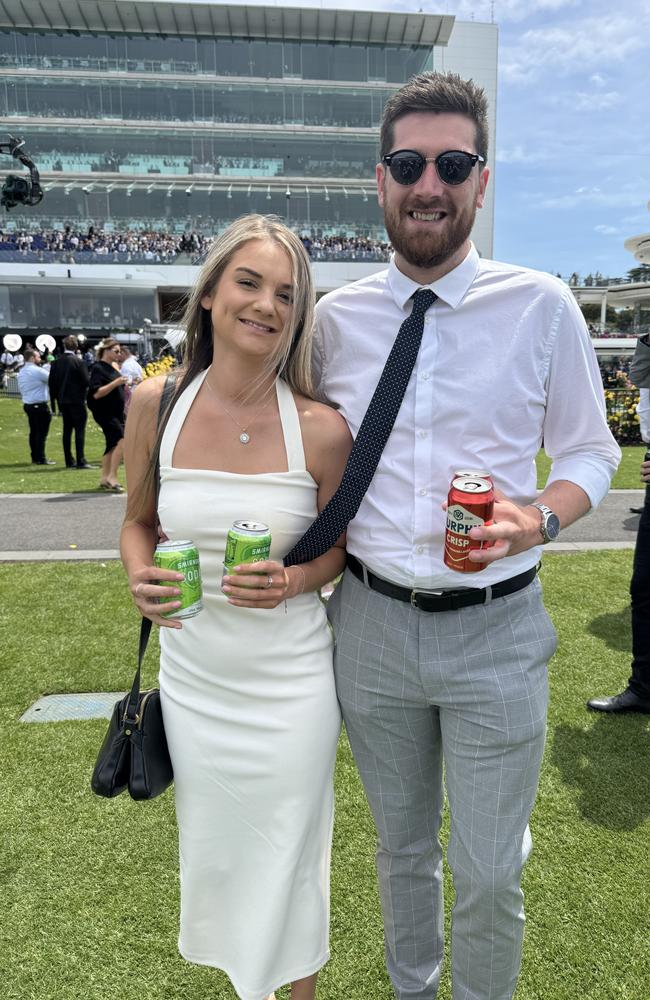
[(427, 593)]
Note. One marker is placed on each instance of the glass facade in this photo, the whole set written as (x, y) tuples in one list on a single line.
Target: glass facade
[(187, 133), (245, 153), (308, 207), (144, 98), (215, 56), (23, 307)]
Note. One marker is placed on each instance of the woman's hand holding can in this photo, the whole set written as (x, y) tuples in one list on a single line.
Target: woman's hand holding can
[(151, 585)]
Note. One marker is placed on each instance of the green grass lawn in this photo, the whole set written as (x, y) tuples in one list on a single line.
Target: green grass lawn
[(17, 475), (89, 886)]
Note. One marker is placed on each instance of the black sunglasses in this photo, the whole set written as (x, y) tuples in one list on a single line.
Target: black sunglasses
[(453, 166)]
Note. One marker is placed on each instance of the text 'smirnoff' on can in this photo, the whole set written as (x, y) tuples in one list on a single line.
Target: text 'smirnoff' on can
[(470, 504), (182, 557), (473, 474), (247, 542)]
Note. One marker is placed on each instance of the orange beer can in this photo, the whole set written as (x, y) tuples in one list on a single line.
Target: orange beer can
[(470, 504)]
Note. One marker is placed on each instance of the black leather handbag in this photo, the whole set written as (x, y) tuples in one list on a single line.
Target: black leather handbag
[(134, 753)]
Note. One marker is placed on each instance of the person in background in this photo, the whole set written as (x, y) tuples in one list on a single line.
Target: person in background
[(636, 696), (68, 384), (34, 392), (442, 676), (6, 366), (7, 361), (130, 367), (106, 403)]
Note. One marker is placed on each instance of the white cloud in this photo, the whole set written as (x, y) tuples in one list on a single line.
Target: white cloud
[(593, 196), (609, 231), (504, 10), (517, 154), (577, 46), (597, 102)]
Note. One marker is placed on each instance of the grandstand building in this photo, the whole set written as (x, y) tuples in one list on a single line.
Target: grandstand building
[(178, 117)]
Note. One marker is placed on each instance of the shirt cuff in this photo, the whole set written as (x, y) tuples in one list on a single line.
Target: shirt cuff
[(592, 474)]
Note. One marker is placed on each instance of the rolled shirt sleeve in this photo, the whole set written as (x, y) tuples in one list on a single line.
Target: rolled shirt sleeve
[(577, 438)]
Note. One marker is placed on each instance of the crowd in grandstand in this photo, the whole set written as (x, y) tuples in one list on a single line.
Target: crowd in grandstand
[(38, 106), (111, 161), (159, 247)]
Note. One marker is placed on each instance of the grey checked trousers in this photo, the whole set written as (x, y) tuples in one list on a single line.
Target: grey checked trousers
[(468, 688)]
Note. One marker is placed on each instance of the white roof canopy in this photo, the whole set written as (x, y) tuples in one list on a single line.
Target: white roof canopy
[(207, 20)]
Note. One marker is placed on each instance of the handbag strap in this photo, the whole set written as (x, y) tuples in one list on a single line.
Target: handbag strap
[(131, 711)]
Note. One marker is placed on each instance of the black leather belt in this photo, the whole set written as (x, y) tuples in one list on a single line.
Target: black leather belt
[(442, 600)]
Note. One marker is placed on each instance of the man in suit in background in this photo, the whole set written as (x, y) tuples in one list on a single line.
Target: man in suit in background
[(68, 385), (636, 696)]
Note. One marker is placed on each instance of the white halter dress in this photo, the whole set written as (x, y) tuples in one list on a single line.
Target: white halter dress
[(252, 722)]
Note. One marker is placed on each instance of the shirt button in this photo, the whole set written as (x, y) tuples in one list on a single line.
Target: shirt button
[(423, 493), (426, 375), (419, 549), (427, 320), (422, 434)]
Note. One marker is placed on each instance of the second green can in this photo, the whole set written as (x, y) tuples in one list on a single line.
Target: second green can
[(247, 542), (182, 557)]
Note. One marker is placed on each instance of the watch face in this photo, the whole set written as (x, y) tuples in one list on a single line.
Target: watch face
[(552, 526)]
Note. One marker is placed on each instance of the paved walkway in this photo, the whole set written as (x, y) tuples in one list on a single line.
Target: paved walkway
[(56, 526)]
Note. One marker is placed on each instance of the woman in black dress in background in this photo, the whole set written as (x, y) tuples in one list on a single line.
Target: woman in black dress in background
[(106, 403)]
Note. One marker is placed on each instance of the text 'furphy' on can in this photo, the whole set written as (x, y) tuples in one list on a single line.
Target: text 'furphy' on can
[(470, 505), (181, 557)]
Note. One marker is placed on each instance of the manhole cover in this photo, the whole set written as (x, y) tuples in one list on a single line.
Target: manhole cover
[(58, 707)]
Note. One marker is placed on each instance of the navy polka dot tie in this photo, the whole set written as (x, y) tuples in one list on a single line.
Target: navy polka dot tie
[(370, 441)]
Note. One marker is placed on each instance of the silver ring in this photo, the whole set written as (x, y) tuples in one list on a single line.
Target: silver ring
[(269, 582)]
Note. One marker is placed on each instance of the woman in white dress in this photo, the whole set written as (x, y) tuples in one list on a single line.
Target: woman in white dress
[(247, 686)]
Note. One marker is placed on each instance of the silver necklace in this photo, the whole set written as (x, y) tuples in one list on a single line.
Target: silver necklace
[(244, 436)]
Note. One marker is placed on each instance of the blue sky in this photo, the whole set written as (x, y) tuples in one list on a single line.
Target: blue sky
[(573, 132)]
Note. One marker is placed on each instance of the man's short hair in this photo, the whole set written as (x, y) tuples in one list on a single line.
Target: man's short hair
[(70, 343), (437, 93), (29, 354)]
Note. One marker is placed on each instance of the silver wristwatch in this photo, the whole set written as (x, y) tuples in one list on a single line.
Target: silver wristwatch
[(549, 527)]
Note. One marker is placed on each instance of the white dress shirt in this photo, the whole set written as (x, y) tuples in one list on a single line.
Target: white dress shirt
[(132, 369), (505, 362), (643, 409), (32, 383)]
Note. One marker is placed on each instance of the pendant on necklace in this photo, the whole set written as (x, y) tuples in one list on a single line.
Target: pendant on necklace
[(244, 438)]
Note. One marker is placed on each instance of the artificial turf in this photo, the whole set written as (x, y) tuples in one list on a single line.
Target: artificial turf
[(90, 888)]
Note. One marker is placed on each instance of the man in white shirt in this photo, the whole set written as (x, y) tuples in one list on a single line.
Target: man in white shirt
[(130, 366), (636, 696), (454, 673), (34, 392)]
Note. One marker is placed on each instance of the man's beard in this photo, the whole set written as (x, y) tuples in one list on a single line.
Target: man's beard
[(428, 249)]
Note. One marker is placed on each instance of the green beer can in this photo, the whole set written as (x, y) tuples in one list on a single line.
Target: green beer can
[(182, 557), (247, 542)]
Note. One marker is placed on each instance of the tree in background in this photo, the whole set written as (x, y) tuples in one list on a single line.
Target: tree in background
[(641, 273)]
